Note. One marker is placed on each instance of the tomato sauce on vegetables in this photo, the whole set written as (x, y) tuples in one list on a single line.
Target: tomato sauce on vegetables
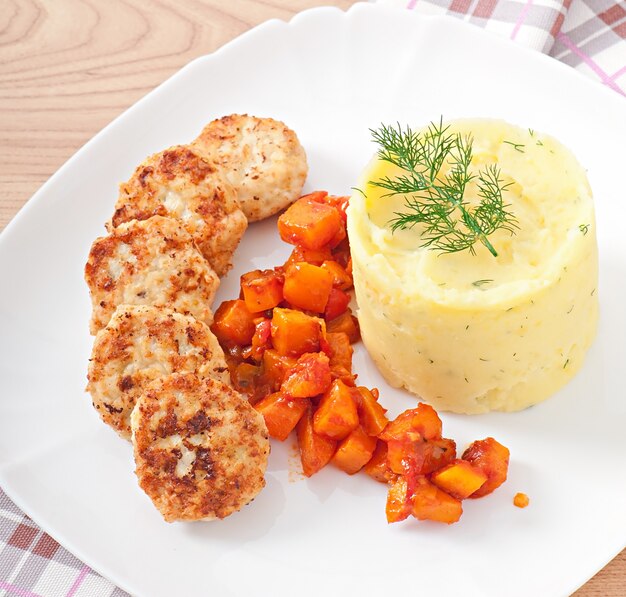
[(288, 343)]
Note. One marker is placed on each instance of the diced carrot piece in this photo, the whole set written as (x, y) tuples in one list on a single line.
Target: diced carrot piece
[(337, 304), (233, 323), (315, 450), (521, 500), (309, 223), (346, 323), (312, 256), (294, 333), (309, 377), (354, 451), (377, 467), (262, 289), (341, 278), (276, 366), (307, 286), (492, 458), (398, 501), (418, 456), (340, 351), (423, 420), (371, 413), (336, 415), (431, 503), (459, 479), (281, 414)]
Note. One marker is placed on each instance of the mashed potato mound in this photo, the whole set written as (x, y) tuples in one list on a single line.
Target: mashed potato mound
[(474, 333)]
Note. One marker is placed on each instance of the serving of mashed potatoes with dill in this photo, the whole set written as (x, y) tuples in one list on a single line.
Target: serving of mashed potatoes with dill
[(468, 331)]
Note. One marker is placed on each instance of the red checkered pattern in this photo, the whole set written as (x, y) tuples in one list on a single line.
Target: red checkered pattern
[(33, 564), (589, 35)]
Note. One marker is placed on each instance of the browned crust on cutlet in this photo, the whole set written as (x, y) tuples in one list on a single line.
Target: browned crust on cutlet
[(227, 437), (261, 157), (141, 344), (217, 223), (162, 267)]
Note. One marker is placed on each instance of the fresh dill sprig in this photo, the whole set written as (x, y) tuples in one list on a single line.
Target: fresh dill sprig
[(481, 283), (436, 200)]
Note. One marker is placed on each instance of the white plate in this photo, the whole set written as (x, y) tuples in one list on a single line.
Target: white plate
[(330, 76)]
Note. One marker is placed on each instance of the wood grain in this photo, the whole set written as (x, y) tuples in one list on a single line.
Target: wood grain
[(69, 67)]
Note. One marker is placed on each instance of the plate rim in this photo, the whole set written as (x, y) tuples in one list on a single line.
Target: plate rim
[(39, 195)]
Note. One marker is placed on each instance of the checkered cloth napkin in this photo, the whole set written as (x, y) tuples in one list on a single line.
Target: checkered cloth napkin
[(33, 564), (589, 35)]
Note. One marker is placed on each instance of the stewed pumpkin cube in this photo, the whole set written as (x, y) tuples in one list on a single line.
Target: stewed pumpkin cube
[(341, 278), (492, 458), (310, 223), (354, 451), (281, 414), (315, 450), (371, 413), (459, 479), (422, 420), (399, 503), (309, 377), (336, 415), (307, 286), (431, 503), (233, 323), (294, 333), (262, 289), (377, 467)]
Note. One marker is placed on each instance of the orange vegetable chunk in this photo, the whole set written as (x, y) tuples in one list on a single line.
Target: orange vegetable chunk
[(354, 451), (423, 420), (341, 278), (309, 223), (233, 324), (377, 467), (371, 413), (281, 414), (398, 501), (340, 351), (431, 503), (315, 450), (459, 479), (307, 286), (337, 304), (276, 366), (346, 323), (418, 456), (336, 415), (262, 289), (493, 459), (294, 333), (309, 377), (312, 256), (521, 500)]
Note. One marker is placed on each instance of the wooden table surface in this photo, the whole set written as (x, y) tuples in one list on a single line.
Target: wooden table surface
[(69, 67)]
